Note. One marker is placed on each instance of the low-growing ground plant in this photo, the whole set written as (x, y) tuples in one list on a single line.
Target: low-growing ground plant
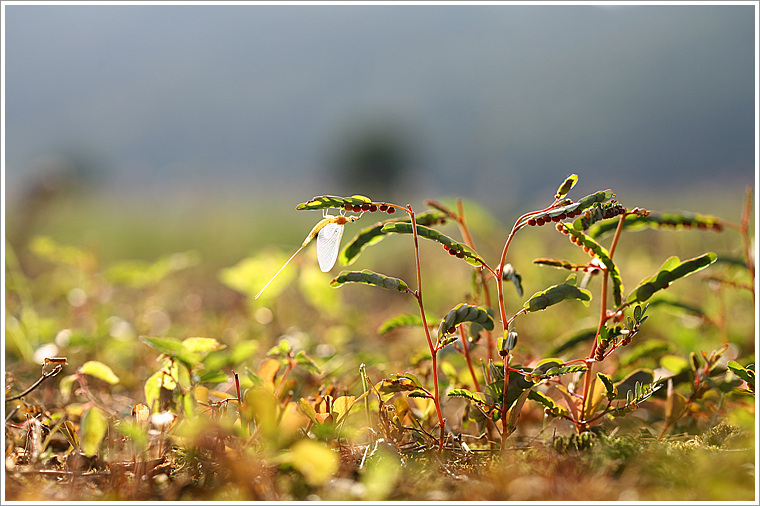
[(283, 403)]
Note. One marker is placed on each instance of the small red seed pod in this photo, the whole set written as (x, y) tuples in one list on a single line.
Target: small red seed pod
[(540, 221), (556, 218), (348, 207), (445, 247), (391, 210), (357, 209), (532, 222), (452, 252), (717, 227), (586, 249), (460, 254), (372, 208), (383, 207), (451, 330), (365, 207)]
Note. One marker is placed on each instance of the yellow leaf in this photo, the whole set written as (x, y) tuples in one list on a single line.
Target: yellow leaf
[(314, 461), (99, 370), (92, 430)]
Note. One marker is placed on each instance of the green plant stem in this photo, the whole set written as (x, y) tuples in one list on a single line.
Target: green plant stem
[(466, 349), (433, 351)]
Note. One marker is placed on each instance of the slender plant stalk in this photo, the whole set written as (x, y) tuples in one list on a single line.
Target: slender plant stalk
[(745, 239), (504, 429), (466, 349), (602, 320), (481, 275), (433, 351)]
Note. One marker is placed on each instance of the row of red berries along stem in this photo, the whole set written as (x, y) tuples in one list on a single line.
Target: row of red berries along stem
[(370, 207), (542, 220), (453, 252)]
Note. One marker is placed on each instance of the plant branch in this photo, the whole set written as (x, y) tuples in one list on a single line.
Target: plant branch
[(433, 352), (45, 375), (466, 349)]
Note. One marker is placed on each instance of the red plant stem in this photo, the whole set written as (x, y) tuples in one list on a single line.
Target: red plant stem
[(500, 281), (466, 348), (504, 431), (745, 238), (486, 295), (602, 320), (433, 351)]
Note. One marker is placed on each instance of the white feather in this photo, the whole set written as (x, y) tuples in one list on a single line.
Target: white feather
[(328, 243)]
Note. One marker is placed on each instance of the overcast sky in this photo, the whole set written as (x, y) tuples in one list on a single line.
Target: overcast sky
[(492, 99)]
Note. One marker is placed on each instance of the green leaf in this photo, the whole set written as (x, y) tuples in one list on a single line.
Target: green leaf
[(605, 211), (465, 313), (554, 294), (139, 274), (517, 385), (375, 233), (403, 320), (510, 274), (648, 348), (242, 351), (411, 377), (597, 250), (99, 370), (341, 406), (745, 373), (568, 343), (152, 390), (92, 430), (371, 278), (282, 348), (202, 345), (305, 361), (461, 250), (566, 186), (400, 384), (308, 410), (548, 403), (214, 377), (314, 460), (659, 220), (674, 364), (581, 205), (191, 351), (671, 270), (250, 274), (561, 264), (609, 386), (327, 201), (478, 397), (628, 384)]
